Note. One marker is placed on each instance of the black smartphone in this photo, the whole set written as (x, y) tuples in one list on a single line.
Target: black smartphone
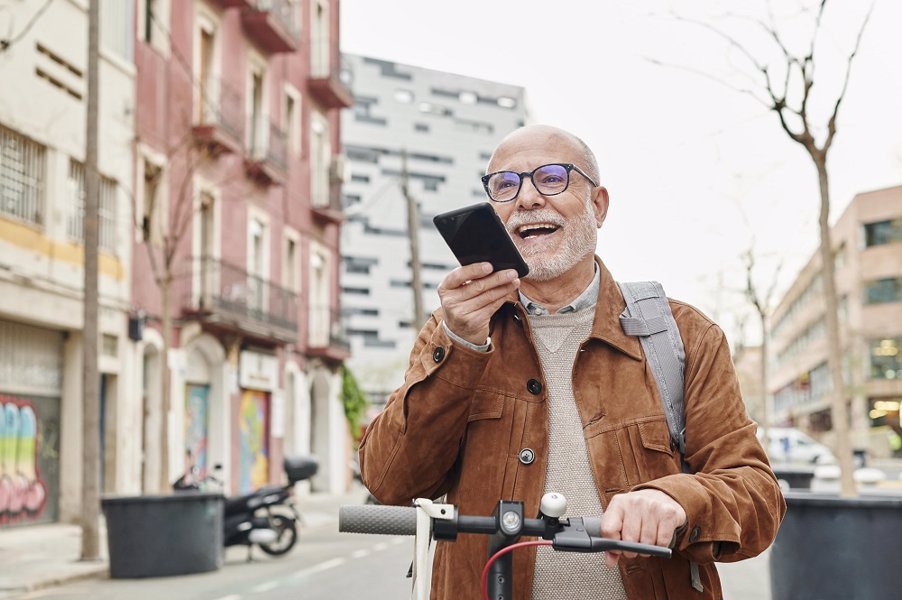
[(476, 234)]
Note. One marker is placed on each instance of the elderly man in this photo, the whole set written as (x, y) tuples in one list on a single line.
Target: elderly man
[(517, 387)]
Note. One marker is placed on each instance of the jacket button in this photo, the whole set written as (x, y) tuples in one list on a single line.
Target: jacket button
[(534, 386), (438, 354), (527, 456), (693, 535)]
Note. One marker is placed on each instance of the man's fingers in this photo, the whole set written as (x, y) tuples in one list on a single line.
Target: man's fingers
[(459, 276)]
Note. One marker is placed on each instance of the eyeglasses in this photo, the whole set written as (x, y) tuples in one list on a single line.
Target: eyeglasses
[(549, 180)]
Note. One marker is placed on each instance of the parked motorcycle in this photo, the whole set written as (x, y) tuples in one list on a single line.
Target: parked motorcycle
[(255, 518)]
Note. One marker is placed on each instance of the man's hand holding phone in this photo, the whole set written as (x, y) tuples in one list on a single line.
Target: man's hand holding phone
[(471, 294)]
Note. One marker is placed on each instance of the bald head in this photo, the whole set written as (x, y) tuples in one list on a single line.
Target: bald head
[(552, 139)]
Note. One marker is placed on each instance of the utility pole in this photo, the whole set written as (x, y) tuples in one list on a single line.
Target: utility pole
[(90, 496), (413, 234)]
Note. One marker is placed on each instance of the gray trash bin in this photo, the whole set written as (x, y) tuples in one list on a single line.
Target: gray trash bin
[(156, 536)]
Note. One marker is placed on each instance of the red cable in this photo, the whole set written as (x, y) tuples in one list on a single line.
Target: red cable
[(499, 554)]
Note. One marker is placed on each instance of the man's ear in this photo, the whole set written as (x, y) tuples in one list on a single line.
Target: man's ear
[(600, 200)]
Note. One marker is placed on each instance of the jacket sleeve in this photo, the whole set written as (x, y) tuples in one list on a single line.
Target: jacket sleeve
[(410, 448), (732, 500)]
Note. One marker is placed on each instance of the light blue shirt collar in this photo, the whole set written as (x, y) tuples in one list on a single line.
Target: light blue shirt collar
[(588, 298)]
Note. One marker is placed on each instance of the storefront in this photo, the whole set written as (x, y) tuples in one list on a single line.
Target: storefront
[(258, 379), (31, 377)]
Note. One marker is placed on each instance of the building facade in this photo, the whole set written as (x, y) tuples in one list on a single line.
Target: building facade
[(237, 238), (867, 242), (435, 130), (43, 106)]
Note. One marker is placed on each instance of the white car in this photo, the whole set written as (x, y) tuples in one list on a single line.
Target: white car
[(789, 445)]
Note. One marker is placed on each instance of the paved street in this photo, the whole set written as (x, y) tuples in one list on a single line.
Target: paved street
[(325, 565)]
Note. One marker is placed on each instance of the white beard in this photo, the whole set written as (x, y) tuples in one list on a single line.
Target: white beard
[(579, 240)]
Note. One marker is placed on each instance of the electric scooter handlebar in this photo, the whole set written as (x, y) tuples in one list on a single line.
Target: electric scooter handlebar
[(575, 534), (377, 519)]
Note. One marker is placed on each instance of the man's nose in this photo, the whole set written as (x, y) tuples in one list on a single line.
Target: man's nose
[(529, 196)]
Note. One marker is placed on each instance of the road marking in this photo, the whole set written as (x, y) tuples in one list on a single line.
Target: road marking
[(230, 597), (398, 540), (380, 546), (265, 587), (360, 553), (323, 566)]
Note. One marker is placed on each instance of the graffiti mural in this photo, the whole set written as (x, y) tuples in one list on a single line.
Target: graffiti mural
[(197, 400), (23, 493), (253, 461)]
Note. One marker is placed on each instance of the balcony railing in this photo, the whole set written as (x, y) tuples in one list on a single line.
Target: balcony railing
[(230, 297), (220, 116), (267, 160), (327, 336), (274, 25), (325, 82)]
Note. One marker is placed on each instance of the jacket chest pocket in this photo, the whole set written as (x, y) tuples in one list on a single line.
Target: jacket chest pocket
[(484, 447), (633, 453)]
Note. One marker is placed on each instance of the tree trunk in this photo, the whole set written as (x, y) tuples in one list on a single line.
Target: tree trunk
[(165, 376), (839, 409), (90, 492)]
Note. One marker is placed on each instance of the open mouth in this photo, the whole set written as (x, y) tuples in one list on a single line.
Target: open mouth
[(536, 229)]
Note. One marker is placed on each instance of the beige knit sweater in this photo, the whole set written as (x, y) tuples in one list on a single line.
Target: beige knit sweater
[(569, 575)]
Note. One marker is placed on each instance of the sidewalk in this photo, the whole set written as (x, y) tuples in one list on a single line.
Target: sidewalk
[(41, 556), (47, 555)]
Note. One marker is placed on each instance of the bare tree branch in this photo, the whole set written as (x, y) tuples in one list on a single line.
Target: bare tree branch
[(710, 77)]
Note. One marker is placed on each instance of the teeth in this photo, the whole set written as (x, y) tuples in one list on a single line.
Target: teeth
[(526, 228)]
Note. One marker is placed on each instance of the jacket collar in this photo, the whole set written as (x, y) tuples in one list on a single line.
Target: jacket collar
[(606, 326), (610, 306)]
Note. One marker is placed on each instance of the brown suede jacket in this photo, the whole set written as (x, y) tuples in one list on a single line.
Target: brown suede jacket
[(462, 417)]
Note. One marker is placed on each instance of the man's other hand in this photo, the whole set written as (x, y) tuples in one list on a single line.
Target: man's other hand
[(644, 516), (471, 294)]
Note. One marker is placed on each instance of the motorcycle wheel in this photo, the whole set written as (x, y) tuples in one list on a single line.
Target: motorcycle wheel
[(288, 534)]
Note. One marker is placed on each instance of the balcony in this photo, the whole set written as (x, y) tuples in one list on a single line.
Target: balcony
[(267, 159), (219, 118), (273, 25), (228, 298), (325, 84), (327, 338)]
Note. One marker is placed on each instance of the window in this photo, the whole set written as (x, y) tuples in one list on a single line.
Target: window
[(153, 23), (116, 28), (883, 232), (421, 127), (320, 314), (292, 120), (207, 101), (886, 358), (292, 275), (106, 208), (256, 113), (320, 156), (22, 173), (883, 290), (320, 52), (152, 225)]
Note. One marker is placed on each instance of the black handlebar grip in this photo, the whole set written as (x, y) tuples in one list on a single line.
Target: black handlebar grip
[(593, 528), (381, 520)]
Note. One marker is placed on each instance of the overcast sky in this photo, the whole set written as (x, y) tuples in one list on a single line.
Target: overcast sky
[(695, 168)]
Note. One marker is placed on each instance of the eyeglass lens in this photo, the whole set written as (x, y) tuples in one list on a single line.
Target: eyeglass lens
[(548, 179)]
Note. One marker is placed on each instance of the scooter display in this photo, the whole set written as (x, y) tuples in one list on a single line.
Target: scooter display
[(256, 518)]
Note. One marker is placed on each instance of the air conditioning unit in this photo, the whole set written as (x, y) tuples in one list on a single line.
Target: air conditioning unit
[(339, 169)]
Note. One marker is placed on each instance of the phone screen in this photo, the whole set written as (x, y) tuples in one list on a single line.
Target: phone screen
[(476, 234)]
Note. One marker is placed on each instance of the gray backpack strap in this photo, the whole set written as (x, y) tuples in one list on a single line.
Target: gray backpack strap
[(648, 316)]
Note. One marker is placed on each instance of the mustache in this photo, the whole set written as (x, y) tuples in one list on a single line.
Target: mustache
[(542, 215)]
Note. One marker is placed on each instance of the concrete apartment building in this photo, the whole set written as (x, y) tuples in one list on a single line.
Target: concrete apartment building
[(447, 125), (43, 105), (867, 241), (237, 145)]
